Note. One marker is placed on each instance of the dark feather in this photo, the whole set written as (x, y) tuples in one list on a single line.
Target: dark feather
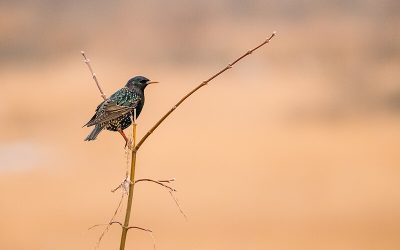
[(115, 113), (110, 111), (95, 132)]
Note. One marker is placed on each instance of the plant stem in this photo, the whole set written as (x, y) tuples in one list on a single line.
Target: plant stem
[(125, 227), (135, 147), (204, 83)]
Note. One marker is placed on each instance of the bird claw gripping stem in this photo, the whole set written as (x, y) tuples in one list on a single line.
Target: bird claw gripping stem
[(128, 144)]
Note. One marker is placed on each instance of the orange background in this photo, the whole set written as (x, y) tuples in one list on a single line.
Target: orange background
[(297, 147)]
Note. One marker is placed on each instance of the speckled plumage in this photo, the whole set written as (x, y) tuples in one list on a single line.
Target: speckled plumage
[(115, 113)]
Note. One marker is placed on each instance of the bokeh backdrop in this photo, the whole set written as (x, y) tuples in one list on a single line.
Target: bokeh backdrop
[(295, 148)]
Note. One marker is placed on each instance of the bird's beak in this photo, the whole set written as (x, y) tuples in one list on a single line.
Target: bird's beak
[(151, 82)]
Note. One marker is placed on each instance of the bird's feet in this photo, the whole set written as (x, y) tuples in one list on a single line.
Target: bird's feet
[(128, 144)]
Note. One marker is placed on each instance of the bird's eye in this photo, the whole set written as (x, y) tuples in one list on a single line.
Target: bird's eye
[(143, 81)]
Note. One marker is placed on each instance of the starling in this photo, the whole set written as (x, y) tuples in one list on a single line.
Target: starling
[(115, 113)]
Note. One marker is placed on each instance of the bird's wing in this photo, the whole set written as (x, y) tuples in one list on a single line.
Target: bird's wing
[(111, 110), (94, 116)]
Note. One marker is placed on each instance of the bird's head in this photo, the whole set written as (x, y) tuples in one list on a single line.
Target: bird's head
[(140, 82)]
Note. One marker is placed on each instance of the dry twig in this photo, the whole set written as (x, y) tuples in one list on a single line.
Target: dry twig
[(128, 228), (170, 191), (229, 66), (160, 182), (87, 61), (177, 204), (110, 223)]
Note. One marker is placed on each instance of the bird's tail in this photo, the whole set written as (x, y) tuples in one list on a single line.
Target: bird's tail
[(95, 132)]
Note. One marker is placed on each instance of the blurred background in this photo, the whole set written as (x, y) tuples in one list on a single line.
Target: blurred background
[(297, 147)]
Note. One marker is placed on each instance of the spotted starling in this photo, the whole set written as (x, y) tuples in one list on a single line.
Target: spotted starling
[(115, 113)]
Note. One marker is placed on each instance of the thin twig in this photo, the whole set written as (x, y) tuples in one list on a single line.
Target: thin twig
[(120, 186), (167, 181), (134, 227), (140, 228), (87, 61), (159, 183), (150, 233), (128, 228), (97, 225), (110, 223), (116, 222), (177, 204), (229, 66), (170, 190)]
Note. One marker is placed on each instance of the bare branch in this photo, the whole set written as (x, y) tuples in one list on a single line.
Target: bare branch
[(177, 204), (147, 230), (140, 228), (159, 183), (136, 148), (115, 222), (167, 181), (110, 223), (170, 190), (87, 61), (97, 225), (119, 186)]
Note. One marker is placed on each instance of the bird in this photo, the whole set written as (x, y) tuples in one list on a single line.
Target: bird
[(115, 113)]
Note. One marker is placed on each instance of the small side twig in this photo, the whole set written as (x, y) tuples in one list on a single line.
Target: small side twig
[(160, 182), (177, 204), (150, 233), (87, 61), (140, 228), (128, 228), (170, 190), (110, 223), (115, 222)]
